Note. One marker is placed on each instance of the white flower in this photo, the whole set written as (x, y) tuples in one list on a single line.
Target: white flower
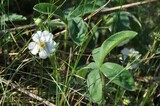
[(130, 52), (125, 53), (43, 44)]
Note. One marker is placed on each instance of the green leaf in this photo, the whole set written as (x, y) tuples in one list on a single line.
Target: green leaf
[(118, 75), (134, 22), (55, 24), (77, 29), (100, 53), (84, 8), (48, 8), (133, 18), (11, 17), (84, 70), (94, 84), (118, 21)]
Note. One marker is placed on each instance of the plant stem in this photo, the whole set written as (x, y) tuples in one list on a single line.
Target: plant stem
[(55, 74)]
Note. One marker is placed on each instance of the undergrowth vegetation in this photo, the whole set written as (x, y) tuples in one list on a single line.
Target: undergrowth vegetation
[(80, 52)]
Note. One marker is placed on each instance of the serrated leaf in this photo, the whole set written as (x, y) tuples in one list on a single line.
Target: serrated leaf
[(100, 53), (118, 75), (77, 29), (94, 84), (48, 8)]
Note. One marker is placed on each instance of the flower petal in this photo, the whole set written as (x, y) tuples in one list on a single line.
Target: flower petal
[(35, 50), (44, 36), (48, 36), (31, 45), (36, 37), (51, 46), (43, 54), (125, 51)]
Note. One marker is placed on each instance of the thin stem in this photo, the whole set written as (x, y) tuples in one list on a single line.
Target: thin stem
[(150, 51), (56, 76), (65, 38)]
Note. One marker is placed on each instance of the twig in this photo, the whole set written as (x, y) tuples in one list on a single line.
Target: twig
[(128, 5), (98, 10), (18, 28), (61, 32), (24, 27), (27, 93)]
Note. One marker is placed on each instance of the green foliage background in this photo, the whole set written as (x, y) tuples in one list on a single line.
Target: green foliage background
[(66, 77)]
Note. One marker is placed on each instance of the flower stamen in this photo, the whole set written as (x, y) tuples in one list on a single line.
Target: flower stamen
[(41, 44)]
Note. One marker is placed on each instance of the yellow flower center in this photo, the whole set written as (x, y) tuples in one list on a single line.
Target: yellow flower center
[(41, 44)]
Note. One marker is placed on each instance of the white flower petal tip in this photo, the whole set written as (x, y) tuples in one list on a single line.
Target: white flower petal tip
[(31, 45), (43, 44), (43, 54)]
